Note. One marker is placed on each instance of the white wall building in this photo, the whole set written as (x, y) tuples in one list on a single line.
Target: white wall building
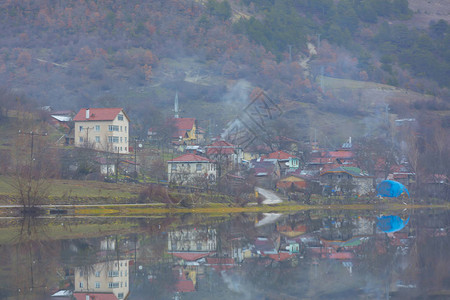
[(104, 129)]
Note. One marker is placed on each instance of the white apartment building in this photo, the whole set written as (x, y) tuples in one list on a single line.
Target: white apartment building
[(103, 129)]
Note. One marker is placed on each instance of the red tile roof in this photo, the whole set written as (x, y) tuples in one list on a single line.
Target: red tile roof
[(189, 157), (341, 154), (96, 296), (98, 114), (220, 147), (182, 125), (280, 155)]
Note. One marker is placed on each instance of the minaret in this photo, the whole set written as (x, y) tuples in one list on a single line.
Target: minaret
[(176, 105)]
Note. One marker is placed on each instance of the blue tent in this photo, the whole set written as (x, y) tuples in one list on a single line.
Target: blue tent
[(391, 223), (390, 188)]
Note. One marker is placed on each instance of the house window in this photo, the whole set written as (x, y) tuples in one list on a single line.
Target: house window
[(81, 285), (113, 139), (97, 139), (121, 139), (120, 117), (125, 266), (81, 139), (120, 128), (125, 128), (125, 139), (81, 128), (199, 167), (120, 296), (112, 285), (120, 148), (81, 273), (199, 246), (113, 273), (125, 272), (97, 274), (113, 128), (125, 148), (125, 284), (97, 285), (174, 167), (97, 127)]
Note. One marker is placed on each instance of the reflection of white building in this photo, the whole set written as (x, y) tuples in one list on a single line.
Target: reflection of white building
[(192, 244), (107, 277)]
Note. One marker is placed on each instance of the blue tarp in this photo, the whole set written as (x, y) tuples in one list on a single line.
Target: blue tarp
[(390, 188), (391, 223)]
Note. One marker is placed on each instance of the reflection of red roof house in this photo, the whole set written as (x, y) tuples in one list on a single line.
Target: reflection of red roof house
[(341, 255), (281, 255), (191, 255), (220, 263), (329, 252), (189, 158), (220, 147), (291, 232), (94, 296), (185, 286), (185, 283)]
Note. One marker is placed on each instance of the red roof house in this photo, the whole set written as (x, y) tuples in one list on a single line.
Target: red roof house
[(97, 114)]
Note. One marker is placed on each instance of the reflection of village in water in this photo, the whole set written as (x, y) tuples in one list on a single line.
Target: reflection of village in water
[(266, 256)]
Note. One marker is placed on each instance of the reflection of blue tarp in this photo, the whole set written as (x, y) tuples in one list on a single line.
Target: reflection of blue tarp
[(390, 188), (391, 223)]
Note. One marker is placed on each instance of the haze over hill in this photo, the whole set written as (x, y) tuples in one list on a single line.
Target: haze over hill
[(136, 54)]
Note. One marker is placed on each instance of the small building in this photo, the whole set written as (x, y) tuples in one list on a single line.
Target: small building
[(347, 180), (191, 168), (103, 129), (292, 183)]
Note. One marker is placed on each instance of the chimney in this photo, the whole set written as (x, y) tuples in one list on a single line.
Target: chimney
[(87, 113)]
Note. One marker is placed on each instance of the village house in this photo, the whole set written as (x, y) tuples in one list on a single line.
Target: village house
[(347, 180), (185, 130), (191, 168), (103, 129), (110, 277), (226, 154), (292, 183)]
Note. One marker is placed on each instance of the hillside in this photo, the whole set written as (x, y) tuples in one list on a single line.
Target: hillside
[(135, 54)]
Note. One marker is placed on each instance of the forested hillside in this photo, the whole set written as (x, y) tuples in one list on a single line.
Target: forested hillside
[(136, 54)]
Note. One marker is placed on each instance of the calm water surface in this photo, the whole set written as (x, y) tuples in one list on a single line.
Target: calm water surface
[(304, 255)]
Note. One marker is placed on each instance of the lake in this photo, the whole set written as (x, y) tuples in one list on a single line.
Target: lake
[(315, 254)]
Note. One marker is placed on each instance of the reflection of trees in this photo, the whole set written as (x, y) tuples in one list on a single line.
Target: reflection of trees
[(32, 259)]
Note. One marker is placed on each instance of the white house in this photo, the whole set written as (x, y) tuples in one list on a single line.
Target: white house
[(104, 129), (189, 168)]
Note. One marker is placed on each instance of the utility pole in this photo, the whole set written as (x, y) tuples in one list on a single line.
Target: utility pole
[(117, 166), (32, 134), (135, 157), (30, 171)]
